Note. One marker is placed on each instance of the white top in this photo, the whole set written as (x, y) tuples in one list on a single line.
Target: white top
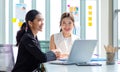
[(64, 44)]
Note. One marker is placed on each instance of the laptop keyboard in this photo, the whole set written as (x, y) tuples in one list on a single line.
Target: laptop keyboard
[(61, 63), (88, 64)]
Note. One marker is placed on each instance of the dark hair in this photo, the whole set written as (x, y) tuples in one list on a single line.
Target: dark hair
[(20, 33), (65, 15), (30, 16)]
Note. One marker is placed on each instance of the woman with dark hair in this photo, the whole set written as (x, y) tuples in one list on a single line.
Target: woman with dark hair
[(30, 55), (62, 41)]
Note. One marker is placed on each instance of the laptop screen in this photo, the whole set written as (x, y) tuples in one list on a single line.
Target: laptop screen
[(82, 51)]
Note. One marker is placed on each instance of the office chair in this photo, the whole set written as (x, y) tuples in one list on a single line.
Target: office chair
[(45, 48), (44, 45), (6, 58)]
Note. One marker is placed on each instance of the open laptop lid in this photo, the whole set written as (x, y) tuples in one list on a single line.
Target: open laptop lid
[(82, 51)]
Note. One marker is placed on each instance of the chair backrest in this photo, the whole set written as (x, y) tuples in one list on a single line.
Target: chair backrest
[(6, 57), (44, 46)]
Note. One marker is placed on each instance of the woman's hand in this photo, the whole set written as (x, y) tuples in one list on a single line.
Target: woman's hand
[(57, 53), (63, 56)]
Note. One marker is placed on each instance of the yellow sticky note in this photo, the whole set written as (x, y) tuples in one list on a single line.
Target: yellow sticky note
[(20, 24), (74, 8), (90, 12), (90, 7), (71, 9), (14, 20), (89, 18), (89, 23)]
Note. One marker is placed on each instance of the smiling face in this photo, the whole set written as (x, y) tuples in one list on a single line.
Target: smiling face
[(67, 25), (37, 23)]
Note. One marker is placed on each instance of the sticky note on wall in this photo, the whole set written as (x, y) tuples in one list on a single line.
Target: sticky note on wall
[(74, 8), (71, 9), (68, 5), (20, 24), (89, 18), (90, 12), (90, 7), (14, 20), (77, 8), (89, 23)]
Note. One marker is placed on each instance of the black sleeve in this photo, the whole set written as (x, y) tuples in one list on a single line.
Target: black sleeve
[(50, 56), (32, 48)]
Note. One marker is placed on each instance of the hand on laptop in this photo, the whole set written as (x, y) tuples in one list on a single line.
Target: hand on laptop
[(57, 53), (63, 56), (60, 55)]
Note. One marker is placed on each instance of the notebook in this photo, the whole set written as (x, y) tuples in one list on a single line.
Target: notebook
[(81, 53)]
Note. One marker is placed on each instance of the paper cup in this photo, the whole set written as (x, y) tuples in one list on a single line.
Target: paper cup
[(110, 58)]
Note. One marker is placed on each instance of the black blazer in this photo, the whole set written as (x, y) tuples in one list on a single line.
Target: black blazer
[(30, 55)]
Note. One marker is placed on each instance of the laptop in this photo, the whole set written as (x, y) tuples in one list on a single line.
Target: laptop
[(81, 53)]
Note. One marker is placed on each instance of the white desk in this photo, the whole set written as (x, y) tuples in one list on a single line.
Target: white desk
[(73, 68)]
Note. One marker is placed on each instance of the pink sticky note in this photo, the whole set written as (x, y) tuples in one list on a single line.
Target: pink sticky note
[(118, 62), (68, 5)]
